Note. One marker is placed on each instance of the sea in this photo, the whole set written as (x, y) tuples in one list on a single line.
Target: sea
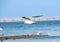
[(52, 28)]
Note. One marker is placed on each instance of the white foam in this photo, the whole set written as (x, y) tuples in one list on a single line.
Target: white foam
[(54, 41), (1, 29)]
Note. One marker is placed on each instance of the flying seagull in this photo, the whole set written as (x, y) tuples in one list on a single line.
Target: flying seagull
[(28, 20)]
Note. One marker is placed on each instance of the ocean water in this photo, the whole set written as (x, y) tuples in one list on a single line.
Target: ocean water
[(52, 28)]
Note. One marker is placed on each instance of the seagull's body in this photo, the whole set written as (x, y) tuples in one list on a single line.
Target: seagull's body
[(29, 22)]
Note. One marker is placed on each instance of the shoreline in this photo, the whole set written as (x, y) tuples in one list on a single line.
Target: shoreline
[(32, 18)]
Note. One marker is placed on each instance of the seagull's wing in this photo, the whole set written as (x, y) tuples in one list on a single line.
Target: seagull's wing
[(38, 16), (26, 18)]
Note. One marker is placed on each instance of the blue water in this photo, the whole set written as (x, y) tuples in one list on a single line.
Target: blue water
[(18, 28)]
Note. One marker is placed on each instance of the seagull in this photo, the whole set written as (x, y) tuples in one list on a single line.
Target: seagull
[(28, 20)]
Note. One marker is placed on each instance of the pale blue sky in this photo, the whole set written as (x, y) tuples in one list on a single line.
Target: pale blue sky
[(19, 8)]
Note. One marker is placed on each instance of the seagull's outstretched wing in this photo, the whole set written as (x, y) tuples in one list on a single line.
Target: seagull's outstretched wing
[(26, 18), (38, 16)]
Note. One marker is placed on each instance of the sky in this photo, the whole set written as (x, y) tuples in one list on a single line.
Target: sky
[(19, 8)]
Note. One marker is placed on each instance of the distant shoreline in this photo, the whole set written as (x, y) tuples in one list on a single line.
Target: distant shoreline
[(35, 19)]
